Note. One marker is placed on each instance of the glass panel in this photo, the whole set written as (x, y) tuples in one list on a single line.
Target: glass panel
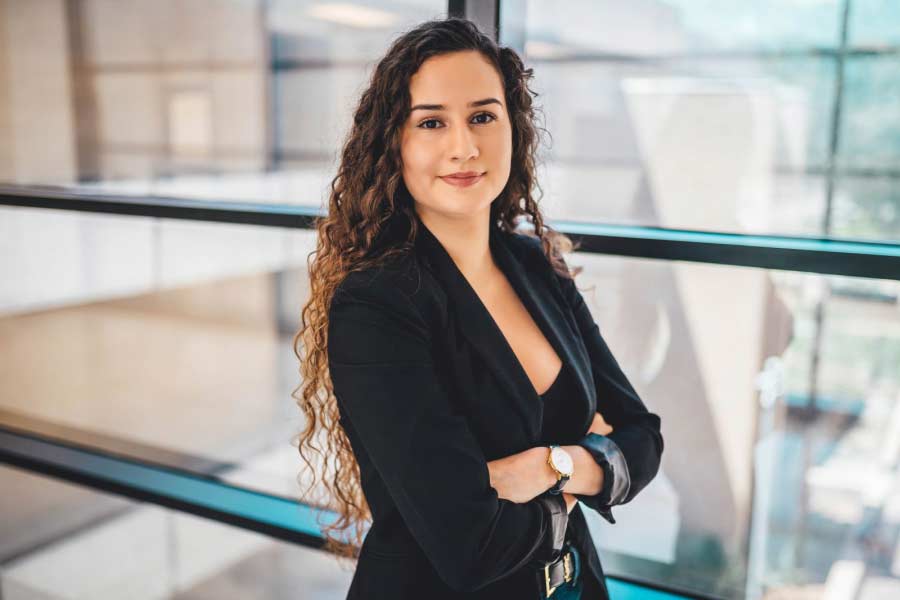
[(142, 313), (223, 99), (695, 141), (712, 116), (867, 207), (874, 23), (870, 126), (776, 112), (676, 26), (58, 540), (779, 395), (778, 392)]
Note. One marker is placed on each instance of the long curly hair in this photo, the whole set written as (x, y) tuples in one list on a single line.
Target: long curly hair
[(371, 219)]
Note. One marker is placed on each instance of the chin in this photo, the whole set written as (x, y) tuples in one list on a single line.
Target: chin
[(460, 209)]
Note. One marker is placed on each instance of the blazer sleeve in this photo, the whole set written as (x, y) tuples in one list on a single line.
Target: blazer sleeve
[(385, 382), (630, 455)]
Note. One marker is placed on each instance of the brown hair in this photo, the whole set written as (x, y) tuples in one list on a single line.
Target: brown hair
[(368, 206)]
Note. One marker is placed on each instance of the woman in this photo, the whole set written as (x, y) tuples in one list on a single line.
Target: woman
[(464, 377)]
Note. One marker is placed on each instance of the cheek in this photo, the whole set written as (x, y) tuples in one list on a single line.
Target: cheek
[(500, 152), (501, 145), (417, 159)]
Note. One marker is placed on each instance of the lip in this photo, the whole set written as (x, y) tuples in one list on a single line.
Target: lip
[(462, 181)]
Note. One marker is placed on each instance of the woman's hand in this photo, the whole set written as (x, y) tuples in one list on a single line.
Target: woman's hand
[(523, 476), (600, 426), (520, 477)]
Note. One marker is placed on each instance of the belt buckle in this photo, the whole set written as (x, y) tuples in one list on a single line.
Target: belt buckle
[(549, 589), (567, 574)]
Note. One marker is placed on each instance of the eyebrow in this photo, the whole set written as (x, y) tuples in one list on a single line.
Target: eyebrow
[(442, 107)]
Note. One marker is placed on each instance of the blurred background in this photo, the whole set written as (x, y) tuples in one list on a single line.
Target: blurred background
[(166, 342)]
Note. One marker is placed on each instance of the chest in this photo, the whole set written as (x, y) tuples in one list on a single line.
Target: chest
[(531, 348), (497, 360), (498, 343)]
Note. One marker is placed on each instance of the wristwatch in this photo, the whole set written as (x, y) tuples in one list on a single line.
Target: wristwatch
[(560, 461)]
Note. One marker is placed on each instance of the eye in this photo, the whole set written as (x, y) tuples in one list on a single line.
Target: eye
[(486, 114), (423, 124)]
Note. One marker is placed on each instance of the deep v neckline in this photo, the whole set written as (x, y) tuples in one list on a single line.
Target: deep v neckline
[(474, 322), (519, 296)]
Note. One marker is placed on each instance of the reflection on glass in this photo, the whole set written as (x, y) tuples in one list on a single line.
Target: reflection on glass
[(59, 540), (870, 133), (782, 447), (221, 99), (710, 115), (655, 108), (780, 417), (874, 23), (867, 204), (864, 205), (665, 27)]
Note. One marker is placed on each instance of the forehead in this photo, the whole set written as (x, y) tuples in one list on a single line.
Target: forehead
[(455, 79)]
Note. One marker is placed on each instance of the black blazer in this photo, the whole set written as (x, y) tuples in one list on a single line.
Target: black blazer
[(429, 391)]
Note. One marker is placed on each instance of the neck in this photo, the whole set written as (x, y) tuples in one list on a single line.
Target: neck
[(467, 241)]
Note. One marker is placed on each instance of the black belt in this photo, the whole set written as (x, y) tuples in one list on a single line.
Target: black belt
[(559, 572)]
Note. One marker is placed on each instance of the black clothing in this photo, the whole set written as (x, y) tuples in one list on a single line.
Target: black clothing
[(558, 425), (429, 391)]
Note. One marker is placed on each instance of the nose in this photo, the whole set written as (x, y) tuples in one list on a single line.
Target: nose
[(463, 145)]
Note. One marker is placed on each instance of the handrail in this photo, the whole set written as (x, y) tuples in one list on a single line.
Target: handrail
[(275, 516), (856, 258), (205, 496)]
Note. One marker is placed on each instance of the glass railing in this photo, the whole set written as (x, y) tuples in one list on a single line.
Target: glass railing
[(84, 532), (727, 116), (151, 358)]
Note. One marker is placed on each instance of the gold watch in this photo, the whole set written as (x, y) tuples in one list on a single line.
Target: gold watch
[(561, 462)]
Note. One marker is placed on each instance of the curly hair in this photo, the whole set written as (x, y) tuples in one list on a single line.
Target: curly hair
[(371, 219)]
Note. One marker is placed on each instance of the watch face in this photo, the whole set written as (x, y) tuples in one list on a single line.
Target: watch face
[(562, 461)]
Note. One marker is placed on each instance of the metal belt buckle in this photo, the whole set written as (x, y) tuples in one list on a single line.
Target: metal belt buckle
[(568, 574), (550, 590)]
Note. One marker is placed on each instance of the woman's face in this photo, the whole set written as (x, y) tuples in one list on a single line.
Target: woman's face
[(458, 123)]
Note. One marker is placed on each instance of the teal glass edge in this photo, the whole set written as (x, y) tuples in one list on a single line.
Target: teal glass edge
[(625, 590), (183, 486), (809, 244)]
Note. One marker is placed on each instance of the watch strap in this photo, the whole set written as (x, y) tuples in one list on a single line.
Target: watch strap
[(559, 485)]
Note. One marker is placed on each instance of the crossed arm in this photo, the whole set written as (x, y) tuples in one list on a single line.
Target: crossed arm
[(525, 475), (622, 462)]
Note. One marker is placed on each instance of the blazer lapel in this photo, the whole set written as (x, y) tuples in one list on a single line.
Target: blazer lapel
[(548, 313), (482, 332)]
